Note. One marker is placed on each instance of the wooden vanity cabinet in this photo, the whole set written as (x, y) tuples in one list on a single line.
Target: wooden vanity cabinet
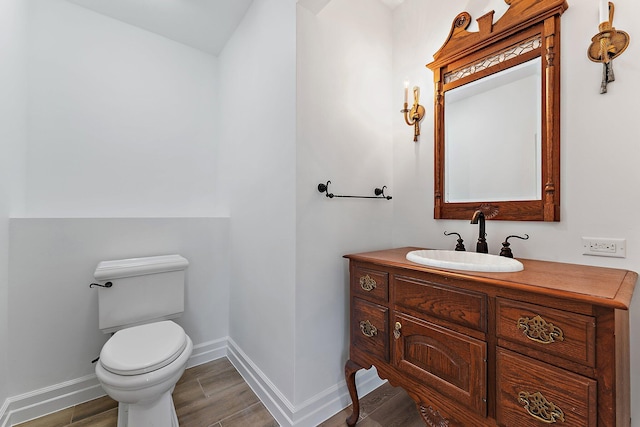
[(547, 345)]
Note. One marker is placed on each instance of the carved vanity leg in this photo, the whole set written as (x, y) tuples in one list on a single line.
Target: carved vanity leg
[(350, 369)]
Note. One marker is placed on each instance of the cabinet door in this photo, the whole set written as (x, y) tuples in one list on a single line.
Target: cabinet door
[(443, 360), (532, 393)]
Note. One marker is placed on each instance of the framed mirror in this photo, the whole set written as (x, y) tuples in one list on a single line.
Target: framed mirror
[(497, 115)]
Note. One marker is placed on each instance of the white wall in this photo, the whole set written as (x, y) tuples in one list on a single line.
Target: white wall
[(258, 147), (122, 122), (109, 136), (344, 117), (599, 150), (12, 143), (53, 317)]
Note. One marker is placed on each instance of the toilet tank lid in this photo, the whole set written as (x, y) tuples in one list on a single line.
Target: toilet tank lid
[(129, 267)]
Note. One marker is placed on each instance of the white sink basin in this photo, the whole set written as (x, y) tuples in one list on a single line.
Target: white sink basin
[(469, 261)]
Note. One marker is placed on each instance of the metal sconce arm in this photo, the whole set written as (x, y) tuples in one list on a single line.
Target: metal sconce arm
[(607, 44), (414, 115)]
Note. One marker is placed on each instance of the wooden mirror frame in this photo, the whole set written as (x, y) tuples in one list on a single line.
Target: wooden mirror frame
[(524, 21)]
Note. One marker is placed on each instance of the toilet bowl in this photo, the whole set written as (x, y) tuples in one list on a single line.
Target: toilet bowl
[(139, 367)]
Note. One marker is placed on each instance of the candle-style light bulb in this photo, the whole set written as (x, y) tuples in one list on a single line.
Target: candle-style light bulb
[(604, 11), (406, 91)]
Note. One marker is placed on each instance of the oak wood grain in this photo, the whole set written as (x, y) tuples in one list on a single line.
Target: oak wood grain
[(462, 343)]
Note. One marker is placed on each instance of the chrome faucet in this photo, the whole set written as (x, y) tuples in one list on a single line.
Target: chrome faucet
[(478, 218)]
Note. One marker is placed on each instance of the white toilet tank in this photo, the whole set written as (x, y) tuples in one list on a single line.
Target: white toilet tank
[(143, 290)]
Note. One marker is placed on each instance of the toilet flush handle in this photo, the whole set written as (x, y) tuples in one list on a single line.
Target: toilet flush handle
[(106, 285)]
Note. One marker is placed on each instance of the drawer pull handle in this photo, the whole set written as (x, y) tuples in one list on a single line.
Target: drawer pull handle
[(539, 330), (396, 330), (368, 330), (540, 408), (367, 283)]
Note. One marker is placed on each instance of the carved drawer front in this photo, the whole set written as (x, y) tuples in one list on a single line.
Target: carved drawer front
[(460, 306), (370, 283), (531, 393), (370, 328), (441, 359), (567, 335)]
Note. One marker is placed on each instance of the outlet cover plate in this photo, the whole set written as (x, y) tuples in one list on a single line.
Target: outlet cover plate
[(604, 246)]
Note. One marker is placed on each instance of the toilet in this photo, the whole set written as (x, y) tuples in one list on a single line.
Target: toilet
[(141, 363)]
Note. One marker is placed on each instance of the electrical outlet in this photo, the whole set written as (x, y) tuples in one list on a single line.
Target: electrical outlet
[(599, 246)]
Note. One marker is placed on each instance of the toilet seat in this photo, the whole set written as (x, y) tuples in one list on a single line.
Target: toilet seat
[(145, 348)]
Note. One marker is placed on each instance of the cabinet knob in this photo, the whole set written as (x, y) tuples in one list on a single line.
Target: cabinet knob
[(540, 408), (539, 330), (367, 283), (368, 330), (396, 330)]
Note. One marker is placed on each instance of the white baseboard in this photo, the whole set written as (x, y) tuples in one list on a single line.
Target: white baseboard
[(208, 351), (311, 412), (333, 400), (27, 406), (37, 403), (275, 402)]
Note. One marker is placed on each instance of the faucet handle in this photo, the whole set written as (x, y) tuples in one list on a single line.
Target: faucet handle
[(460, 244), (506, 250)]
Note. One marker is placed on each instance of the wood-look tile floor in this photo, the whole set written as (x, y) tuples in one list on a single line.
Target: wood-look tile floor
[(385, 406), (215, 395)]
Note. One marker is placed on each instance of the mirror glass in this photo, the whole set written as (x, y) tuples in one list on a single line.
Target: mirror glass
[(492, 129)]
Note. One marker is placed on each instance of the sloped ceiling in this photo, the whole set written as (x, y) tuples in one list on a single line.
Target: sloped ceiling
[(202, 24), (392, 3), (316, 6)]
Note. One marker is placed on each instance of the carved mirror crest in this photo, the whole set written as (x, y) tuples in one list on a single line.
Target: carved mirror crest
[(497, 115)]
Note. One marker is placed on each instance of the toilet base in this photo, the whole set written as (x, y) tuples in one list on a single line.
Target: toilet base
[(159, 413), (145, 400)]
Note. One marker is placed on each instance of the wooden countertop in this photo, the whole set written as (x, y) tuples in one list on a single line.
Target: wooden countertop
[(607, 287)]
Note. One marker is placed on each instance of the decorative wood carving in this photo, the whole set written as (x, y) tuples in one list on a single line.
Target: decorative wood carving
[(432, 417), (528, 29)]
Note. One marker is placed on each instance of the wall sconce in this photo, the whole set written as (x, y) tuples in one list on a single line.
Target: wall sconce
[(413, 116), (607, 44)]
